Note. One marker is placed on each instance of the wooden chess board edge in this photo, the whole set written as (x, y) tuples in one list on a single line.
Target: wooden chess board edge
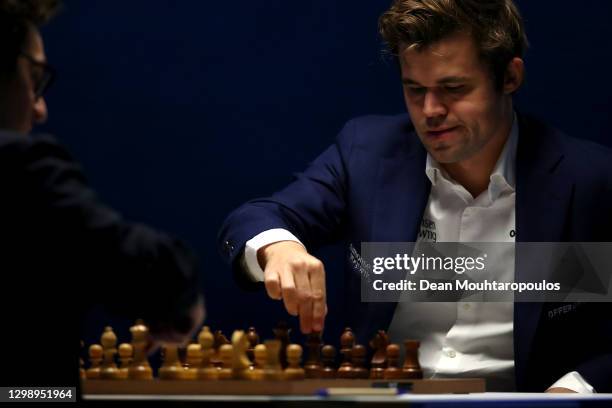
[(243, 387)]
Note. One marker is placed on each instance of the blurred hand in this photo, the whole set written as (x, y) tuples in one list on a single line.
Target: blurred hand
[(180, 331), (296, 277)]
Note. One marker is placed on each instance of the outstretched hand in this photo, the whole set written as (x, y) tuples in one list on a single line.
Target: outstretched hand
[(298, 278)]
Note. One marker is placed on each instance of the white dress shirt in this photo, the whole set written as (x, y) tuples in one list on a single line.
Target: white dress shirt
[(468, 339), (458, 339)]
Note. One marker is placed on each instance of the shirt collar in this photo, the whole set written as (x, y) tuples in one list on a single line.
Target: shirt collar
[(503, 177)]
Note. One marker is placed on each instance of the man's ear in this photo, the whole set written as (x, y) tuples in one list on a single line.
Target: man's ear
[(514, 75)]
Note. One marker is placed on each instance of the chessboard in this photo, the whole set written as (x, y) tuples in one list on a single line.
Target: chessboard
[(293, 387), (215, 365)]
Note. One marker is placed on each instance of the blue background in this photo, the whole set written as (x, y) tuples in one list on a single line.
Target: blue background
[(181, 111)]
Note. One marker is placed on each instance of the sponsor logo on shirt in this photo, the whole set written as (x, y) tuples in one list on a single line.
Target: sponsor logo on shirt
[(427, 233)]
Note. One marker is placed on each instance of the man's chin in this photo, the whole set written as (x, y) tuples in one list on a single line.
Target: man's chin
[(444, 154)]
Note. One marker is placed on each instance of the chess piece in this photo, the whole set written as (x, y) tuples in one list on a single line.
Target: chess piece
[(260, 356), (253, 339), (379, 361), (220, 340), (95, 361), (272, 368), (393, 372), (313, 365), (226, 356), (140, 369), (347, 340), (125, 359), (207, 370), (171, 368), (281, 333), (293, 370), (328, 358), (193, 360), (109, 369), (359, 360), (240, 361), (411, 367)]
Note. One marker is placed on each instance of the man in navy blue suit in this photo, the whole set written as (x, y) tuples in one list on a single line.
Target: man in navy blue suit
[(465, 167)]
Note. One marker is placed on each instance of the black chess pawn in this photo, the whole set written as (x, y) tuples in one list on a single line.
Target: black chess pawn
[(359, 361), (328, 358), (347, 340), (393, 371)]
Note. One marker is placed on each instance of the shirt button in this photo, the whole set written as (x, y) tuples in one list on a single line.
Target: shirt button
[(452, 354)]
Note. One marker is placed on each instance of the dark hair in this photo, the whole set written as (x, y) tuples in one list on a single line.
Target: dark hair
[(17, 17), (495, 25)]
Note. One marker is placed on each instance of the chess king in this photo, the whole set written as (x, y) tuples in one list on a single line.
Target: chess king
[(466, 162), (62, 249)]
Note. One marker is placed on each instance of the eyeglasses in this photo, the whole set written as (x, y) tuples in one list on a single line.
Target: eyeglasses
[(42, 75)]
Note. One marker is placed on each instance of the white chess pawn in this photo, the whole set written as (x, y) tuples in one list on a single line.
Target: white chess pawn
[(125, 359), (140, 369), (171, 368), (109, 370), (95, 360)]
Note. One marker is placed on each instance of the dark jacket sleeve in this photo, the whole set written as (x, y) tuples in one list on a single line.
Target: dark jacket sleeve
[(598, 372), (129, 267)]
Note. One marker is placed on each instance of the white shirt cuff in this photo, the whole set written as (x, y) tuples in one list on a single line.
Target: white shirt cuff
[(574, 382), (253, 245)]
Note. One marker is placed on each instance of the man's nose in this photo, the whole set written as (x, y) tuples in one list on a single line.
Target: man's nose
[(40, 111), (433, 106)]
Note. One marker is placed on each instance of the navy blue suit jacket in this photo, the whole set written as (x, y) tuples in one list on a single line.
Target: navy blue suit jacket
[(371, 186)]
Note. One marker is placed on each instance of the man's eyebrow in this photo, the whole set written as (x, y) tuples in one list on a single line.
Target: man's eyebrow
[(441, 81), (408, 81)]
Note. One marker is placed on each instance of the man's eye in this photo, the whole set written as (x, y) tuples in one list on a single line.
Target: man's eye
[(455, 88)]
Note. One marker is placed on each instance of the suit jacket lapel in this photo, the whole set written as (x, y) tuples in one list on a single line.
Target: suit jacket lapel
[(401, 197), (543, 191), (543, 196), (403, 190)]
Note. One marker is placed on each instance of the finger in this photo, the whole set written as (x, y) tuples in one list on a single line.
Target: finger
[(288, 289), (306, 317), (305, 302), (304, 291), (319, 298), (272, 283)]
